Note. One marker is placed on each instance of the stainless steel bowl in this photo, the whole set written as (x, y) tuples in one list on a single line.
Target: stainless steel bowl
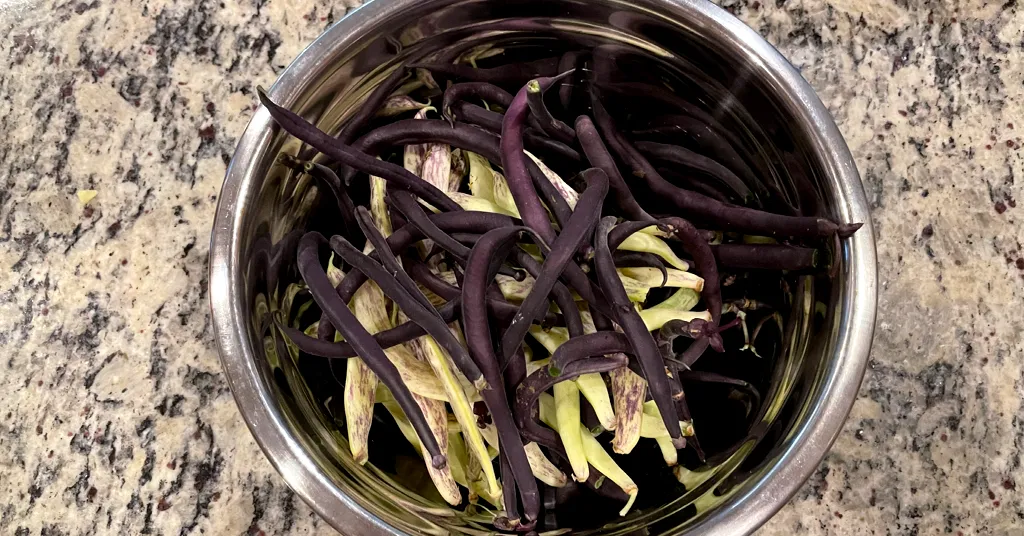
[(749, 83)]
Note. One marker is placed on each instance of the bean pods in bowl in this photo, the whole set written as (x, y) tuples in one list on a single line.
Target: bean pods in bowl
[(552, 286)]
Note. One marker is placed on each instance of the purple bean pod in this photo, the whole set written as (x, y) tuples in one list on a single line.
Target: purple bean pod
[(598, 155), (417, 217), (626, 259), (644, 347), (387, 257), (422, 274), (399, 176), (513, 161), (554, 150), (399, 334), (720, 215), (477, 116), (430, 321), (709, 141), (464, 91), (360, 339), (712, 189), (486, 255), (766, 257), (404, 237), (704, 261), (550, 124), (530, 389), (562, 297), (695, 163), (562, 249), (586, 346), (624, 230), (328, 180), (509, 491)]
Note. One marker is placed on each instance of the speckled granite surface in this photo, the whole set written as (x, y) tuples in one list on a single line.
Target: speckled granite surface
[(115, 418)]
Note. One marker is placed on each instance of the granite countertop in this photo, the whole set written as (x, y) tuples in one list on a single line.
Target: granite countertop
[(116, 419)]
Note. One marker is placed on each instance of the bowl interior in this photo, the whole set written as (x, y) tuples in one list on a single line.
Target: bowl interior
[(689, 49)]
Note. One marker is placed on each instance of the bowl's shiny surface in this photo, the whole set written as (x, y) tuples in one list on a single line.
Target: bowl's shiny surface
[(260, 206)]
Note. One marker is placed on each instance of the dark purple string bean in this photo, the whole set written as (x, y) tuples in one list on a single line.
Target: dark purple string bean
[(354, 332), (734, 218), (539, 143), (586, 346), (709, 141), (430, 321), (626, 259), (484, 91), (598, 155), (404, 237), (551, 125), (726, 217), (327, 179), (704, 262), (712, 189), (478, 116), (541, 380), (644, 347), (417, 217), (387, 257), (509, 491), (303, 130), (484, 259), (766, 257), (399, 334), (422, 274), (624, 230), (562, 297), (689, 160), (513, 161), (588, 209), (414, 131)]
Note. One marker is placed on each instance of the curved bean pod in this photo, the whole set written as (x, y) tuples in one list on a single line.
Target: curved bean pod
[(540, 381), (354, 332), (481, 268), (399, 334), (396, 175), (704, 260), (689, 160), (430, 321), (484, 91), (766, 257), (551, 125), (721, 215), (585, 346), (644, 347), (387, 257), (561, 252), (598, 155)]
